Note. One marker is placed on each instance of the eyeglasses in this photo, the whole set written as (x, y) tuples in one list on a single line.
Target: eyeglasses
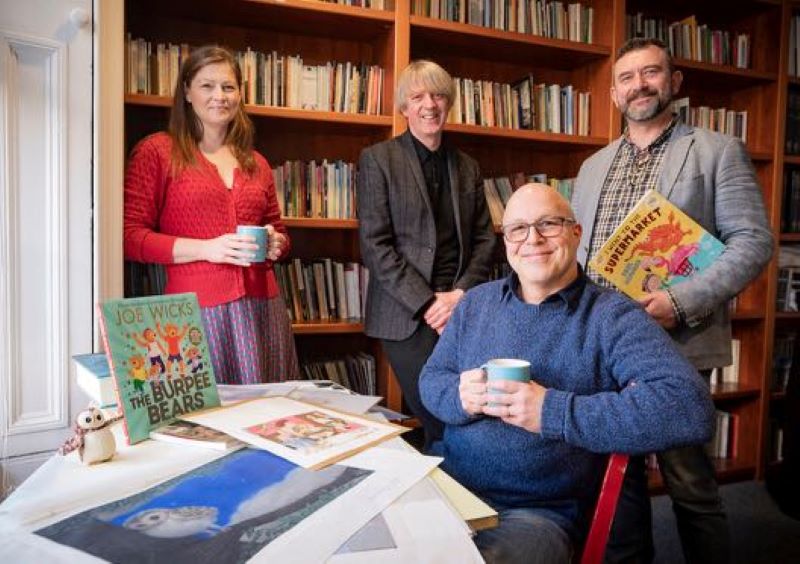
[(547, 227)]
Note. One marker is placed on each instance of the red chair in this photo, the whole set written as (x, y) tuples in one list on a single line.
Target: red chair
[(595, 547)]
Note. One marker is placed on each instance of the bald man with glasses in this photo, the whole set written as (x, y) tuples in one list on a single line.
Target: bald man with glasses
[(604, 378)]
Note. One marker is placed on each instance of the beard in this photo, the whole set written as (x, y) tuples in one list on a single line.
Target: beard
[(662, 102)]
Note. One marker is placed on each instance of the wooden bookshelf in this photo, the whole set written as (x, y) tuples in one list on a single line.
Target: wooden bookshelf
[(321, 31)]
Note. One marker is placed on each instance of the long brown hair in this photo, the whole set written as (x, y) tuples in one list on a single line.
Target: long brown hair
[(185, 127)]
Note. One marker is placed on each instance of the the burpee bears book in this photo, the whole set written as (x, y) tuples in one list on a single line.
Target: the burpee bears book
[(656, 246), (158, 355)]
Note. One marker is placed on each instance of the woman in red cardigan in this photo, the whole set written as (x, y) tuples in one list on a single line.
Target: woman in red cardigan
[(185, 193)]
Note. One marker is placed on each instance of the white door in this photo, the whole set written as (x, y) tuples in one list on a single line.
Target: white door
[(45, 223)]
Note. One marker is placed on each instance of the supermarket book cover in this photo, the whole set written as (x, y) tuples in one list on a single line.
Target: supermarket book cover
[(158, 355), (656, 246)]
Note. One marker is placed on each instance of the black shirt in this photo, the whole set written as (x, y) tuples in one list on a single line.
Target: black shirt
[(437, 181)]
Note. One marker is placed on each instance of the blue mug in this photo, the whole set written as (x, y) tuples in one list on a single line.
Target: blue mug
[(506, 369), (261, 239)]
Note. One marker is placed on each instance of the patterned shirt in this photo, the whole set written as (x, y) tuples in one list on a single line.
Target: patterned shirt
[(633, 172)]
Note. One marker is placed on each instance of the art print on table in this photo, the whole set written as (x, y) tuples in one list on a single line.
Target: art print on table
[(224, 511), (309, 432), (308, 435)]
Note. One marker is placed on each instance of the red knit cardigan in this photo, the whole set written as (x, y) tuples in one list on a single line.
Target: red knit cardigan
[(161, 207)]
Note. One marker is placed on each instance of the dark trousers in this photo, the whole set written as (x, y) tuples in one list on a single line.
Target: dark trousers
[(407, 358), (702, 525)]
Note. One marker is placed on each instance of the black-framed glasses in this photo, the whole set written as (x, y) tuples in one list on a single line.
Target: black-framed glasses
[(545, 227)]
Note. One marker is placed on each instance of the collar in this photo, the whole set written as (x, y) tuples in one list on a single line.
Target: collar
[(662, 137), (423, 153), (570, 295)]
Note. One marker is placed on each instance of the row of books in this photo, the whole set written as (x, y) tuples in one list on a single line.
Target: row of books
[(784, 353), (498, 190), (788, 287), (323, 289), (152, 70), (688, 40), (790, 205), (792, 140), (268, 79), (356, 372), (721, 120), (725, 442), (775, 442), (371, 4), (728, 374), (272, 79), (311, 189), (522, 105), (794, 45), (546, 18)]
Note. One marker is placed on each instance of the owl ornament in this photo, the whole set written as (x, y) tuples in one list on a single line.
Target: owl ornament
[(92, 437)]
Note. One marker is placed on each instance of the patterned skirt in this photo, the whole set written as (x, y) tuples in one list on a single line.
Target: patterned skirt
[(250, 341)]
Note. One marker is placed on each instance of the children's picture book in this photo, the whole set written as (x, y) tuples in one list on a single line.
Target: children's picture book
[(306, 434), (656, 246), (93, 376), (225, 511), (192, 434), (158, 356)]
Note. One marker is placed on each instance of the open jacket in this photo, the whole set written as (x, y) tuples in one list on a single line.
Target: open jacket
[(710, 177), (398, 233)]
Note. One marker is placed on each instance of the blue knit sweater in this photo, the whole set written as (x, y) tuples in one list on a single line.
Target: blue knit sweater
[(616, 383)]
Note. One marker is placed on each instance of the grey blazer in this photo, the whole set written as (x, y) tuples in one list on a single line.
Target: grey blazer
[(398, 234), (710, 177)]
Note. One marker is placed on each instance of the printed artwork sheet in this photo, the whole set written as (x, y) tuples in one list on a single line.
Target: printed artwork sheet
[(305, 434)]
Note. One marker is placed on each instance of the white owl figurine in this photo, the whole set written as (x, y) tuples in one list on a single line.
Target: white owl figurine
[(93, 438)]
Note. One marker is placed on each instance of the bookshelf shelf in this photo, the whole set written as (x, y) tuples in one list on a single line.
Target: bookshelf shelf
[(777, 396), (276, 112), (319, 223), (787, 315), (327, 327), (734, 391), (761, 156), (790, 237), (723, 74), (791, 159), (526, 135), (748, 315)]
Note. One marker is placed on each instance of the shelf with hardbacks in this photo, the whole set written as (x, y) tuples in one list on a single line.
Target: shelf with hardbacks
[(507, 52)]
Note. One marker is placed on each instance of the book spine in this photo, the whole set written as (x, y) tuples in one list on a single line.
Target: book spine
[(112, 369)]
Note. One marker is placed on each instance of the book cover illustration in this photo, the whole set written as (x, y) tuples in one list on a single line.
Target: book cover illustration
[(656, 246), (188, 433), (309, 435), (225, 511), (158, 356)]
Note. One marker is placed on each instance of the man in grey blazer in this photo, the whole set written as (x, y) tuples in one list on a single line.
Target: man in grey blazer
[(710, 177), (425, 231)]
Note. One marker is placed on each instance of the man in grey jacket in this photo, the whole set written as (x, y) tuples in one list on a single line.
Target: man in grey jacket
[(710, 177), (425, 232)]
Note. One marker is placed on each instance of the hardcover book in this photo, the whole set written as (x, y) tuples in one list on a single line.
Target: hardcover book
[(193, 434), (158, 356), (93, 376), (656, 246)]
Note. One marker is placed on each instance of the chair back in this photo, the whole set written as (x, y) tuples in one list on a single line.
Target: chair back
[(595, 548)]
